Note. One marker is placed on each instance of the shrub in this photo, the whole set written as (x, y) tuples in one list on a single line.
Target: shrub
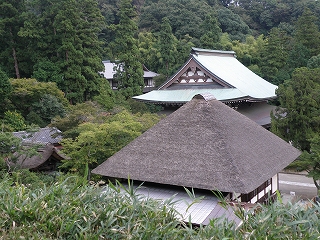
[(14, 121), (68, 209)]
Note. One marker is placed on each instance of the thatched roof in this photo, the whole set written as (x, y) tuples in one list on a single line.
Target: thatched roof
[(204, 144), (44, 154)]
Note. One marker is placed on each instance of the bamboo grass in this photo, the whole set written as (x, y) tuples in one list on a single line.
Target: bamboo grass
[(69, 209)]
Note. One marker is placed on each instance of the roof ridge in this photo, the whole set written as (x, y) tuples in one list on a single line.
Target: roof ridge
[(195, 50)]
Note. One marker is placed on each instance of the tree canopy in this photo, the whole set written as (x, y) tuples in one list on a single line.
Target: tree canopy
[(298, 117), (52, 51), (125, 52)]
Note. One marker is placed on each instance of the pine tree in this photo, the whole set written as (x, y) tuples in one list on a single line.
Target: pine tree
[(274, 55), (11, 46), (307, 32), (211, 33), (167, 44), (5, 91), (297, 120), (65, 37), (126, 53)]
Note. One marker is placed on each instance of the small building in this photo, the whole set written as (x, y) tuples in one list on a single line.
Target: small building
[(206, 145), (222, 75), (109, 72), (48, 157)]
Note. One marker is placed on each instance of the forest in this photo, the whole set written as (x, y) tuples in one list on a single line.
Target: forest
[(51, 55)]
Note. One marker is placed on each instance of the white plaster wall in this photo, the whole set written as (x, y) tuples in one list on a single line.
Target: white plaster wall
[(275, 183)]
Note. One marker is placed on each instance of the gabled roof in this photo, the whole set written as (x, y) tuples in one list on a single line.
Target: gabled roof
[(109, 71), (44, 153), (204, 144), (229, 80), (42, 136)]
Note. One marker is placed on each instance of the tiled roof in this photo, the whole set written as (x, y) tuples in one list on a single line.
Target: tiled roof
[(42, 136), (230, 70), (199, 212), (225, 68)]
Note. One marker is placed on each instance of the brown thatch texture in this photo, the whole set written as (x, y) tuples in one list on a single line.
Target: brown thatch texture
[(204, 144), (44, 154)]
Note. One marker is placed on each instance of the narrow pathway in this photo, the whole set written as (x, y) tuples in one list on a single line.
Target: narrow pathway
[(297, 184)]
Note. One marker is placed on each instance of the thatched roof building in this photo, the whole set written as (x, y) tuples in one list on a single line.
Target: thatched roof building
[(204, 144), (46, 159), (47, 141)]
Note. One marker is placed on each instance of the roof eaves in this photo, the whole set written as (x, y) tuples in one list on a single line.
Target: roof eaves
[(161, 102)]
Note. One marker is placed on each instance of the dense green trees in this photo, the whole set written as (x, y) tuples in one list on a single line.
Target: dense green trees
[(261, 16), (310, 161), (13, 121), (7, 143), (298, 118), (167, 48), (37, 101), (5, 91), (274, 57), (13, 54), (64, 38), (307, 32), (211, 33), (185, 16), (64, 42), (125, 52), (97, 141), (232, 24), (314, 62)]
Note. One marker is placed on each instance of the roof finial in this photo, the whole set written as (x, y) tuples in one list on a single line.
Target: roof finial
[(205, 96)]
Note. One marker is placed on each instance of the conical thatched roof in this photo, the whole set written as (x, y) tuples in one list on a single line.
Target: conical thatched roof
[(204, 144)]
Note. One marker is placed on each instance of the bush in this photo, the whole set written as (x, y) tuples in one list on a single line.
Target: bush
[(14, 121), (68, 209), (33, 180), (83, 213)]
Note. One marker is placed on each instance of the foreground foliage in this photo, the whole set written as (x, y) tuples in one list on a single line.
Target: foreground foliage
[(66, 208)]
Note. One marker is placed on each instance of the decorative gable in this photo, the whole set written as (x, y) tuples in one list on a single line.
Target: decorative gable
[(191, 75)]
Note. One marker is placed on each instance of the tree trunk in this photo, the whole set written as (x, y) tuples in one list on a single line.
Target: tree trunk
[(16, 66), (14, 54)]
